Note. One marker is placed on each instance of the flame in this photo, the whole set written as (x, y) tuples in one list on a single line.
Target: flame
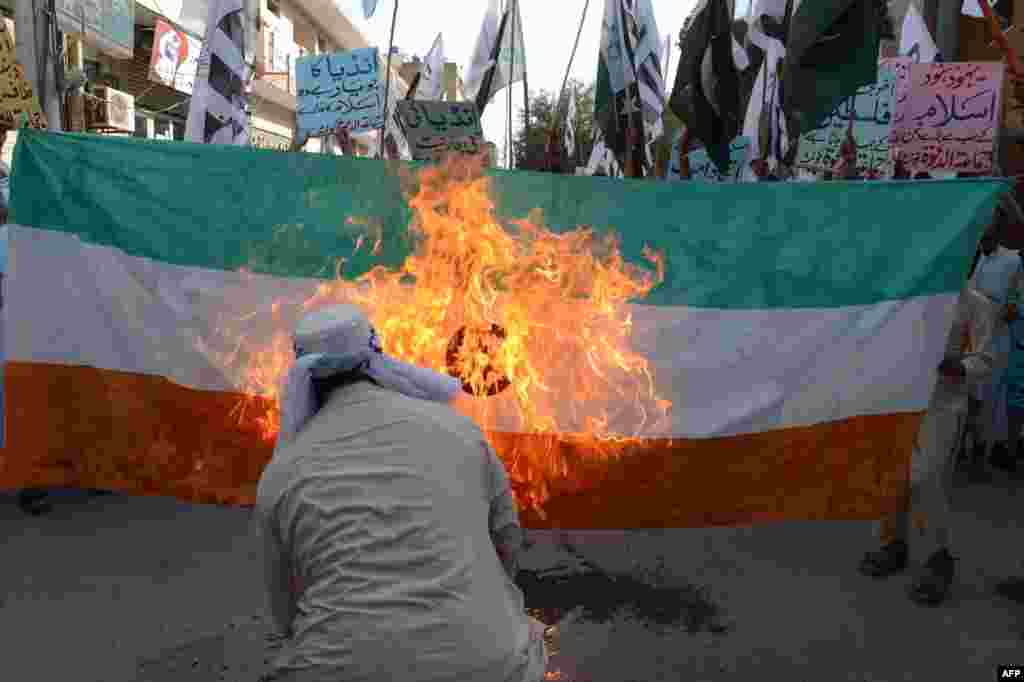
[(541, 311)]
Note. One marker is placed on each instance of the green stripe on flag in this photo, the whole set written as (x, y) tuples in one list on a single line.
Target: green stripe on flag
[(734, 246)]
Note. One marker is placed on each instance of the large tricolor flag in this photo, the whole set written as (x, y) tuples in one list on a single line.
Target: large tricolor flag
[(796, 331)]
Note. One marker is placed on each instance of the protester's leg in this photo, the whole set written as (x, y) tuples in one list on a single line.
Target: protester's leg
[(893, 533), (1002, 454), (931, 476), (1015, 418)]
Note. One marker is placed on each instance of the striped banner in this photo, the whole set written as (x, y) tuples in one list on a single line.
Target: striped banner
[(218, 112), (793, 338)]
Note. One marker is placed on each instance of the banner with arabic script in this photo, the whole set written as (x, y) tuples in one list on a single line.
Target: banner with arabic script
[(951, 117), (341, 89), (435, 128), (703, 169), (871, 109)]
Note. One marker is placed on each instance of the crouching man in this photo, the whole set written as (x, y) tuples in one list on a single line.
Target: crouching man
[(968, 360), (388, 525)]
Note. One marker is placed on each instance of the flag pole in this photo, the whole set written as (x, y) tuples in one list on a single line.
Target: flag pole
[(630, 128), (572, 56), (387, 85), (508, 95)]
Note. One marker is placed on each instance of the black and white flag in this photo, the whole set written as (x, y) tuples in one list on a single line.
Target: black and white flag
[(218, 112)]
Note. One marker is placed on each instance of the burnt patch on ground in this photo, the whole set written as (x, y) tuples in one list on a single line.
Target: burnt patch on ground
[(647, 596)]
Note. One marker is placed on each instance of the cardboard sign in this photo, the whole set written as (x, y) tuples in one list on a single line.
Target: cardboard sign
[(435, 128), (703, 169), (872, 110), (339, 90), (16, 95), (175, 58), (950, 120)]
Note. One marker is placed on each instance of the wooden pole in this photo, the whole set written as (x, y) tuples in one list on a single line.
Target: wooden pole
[(387, 84), (999, 37)]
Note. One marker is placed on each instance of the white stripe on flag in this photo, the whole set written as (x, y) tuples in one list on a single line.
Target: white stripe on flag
[(225, 48)]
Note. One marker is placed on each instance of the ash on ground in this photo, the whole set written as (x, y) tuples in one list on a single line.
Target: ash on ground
[(599, 596)]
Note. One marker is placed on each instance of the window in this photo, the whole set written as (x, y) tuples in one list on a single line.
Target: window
[(141, 126), (162, 129)]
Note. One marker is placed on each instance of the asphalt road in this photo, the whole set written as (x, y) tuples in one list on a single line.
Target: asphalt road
[(118, 588)]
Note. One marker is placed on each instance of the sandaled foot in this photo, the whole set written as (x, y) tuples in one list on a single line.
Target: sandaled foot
[(888, 560), (34, 502), (933, 584), (1012, 589), (1002, 458)]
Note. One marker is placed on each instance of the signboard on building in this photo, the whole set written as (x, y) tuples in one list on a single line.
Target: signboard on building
[(341, 89), (108, 25), (435, 128), (16, 95), (951, 117), (262, 139), (175, 59)]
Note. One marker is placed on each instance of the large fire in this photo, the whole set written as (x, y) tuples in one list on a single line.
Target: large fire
[(535, 318)]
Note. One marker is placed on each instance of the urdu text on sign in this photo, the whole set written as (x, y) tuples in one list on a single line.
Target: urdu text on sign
[(951, 117), (340, 89), (435, 128)]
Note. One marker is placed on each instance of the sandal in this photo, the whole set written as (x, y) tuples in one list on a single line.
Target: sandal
[(34, 502), (888, 560), (933, 585)]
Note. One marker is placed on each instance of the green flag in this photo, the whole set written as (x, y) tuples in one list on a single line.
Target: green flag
[(832, 50)]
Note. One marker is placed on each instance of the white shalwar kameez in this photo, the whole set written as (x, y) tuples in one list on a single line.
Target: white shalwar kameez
[(993, 277), (382, 510), (931, 468)]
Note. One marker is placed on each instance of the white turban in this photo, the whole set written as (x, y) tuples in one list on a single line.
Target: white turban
[(339, 339)]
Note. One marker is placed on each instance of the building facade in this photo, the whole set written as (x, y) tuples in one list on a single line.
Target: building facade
[(283, 31)]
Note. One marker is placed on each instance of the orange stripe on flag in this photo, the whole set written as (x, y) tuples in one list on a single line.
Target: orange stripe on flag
[(84, 427)]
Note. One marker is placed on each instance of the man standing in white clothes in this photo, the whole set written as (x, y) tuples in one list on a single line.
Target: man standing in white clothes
[(968, 357), (992, 277)]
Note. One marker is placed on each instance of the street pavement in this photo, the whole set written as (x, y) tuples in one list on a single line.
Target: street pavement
[(117, 588)]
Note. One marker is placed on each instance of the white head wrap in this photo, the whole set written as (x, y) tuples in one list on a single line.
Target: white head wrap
[(340, 339)]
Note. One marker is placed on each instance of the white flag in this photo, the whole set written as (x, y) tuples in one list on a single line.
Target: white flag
[(915, 39), (511, 62), (972, 9), (218, 110), (431, 85), (512, 57), (602, 160), (570, 125), (481, 59), (765, 94)]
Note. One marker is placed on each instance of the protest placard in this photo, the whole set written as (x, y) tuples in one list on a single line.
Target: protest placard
[(951, 117), (435, 128), (16, 94), (340, 89), (871, 109), (703, 169)]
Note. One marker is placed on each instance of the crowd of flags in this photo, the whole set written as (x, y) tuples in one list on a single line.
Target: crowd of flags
[(787, 69)]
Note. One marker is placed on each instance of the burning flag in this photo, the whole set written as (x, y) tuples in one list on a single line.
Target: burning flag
[(639, 356)]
